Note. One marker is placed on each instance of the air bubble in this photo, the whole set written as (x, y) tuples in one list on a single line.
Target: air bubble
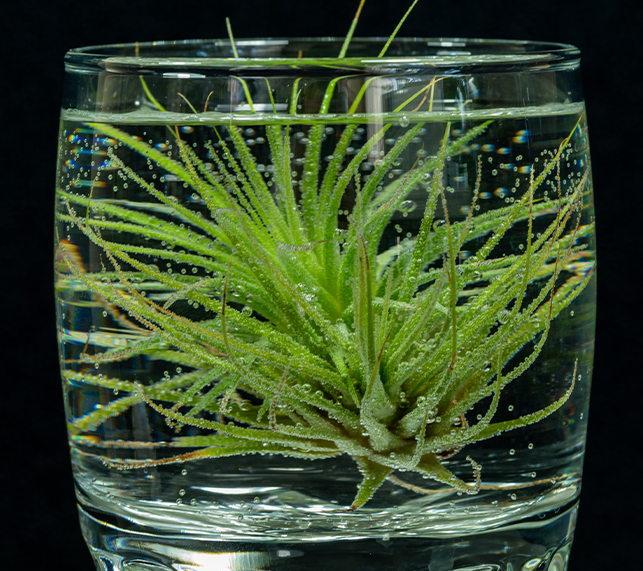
[(404, 121), (407, 206)]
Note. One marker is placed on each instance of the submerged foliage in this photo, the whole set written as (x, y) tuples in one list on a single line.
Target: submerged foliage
[(341, 345)]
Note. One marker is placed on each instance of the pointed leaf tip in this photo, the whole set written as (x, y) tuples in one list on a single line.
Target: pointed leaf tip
[(374, 475)]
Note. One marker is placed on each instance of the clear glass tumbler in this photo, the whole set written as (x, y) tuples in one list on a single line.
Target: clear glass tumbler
[(325, 313)]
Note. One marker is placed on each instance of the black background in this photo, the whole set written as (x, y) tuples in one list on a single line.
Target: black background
[(36, 496)]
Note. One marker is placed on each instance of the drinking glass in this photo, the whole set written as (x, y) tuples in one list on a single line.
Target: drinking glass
[(325, 312)]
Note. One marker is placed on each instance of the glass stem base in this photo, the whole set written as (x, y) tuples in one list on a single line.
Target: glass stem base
[(542, 543)]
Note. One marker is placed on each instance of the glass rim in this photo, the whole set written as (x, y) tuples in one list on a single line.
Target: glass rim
[(460, 54)]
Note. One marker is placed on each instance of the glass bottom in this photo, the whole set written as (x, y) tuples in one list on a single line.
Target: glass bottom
[(542, 543)]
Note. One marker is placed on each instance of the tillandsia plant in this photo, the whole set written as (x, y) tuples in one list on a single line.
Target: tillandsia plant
[(306, 333)]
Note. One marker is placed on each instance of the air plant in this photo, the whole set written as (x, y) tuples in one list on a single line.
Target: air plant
[(343, 344)]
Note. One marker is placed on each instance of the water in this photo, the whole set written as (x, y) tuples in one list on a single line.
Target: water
[(173, 509)]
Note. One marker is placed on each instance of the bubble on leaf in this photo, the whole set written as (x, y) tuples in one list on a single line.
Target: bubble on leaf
[(407, 206)]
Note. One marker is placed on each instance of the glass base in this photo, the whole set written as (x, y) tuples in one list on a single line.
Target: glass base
[(542, 543)]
